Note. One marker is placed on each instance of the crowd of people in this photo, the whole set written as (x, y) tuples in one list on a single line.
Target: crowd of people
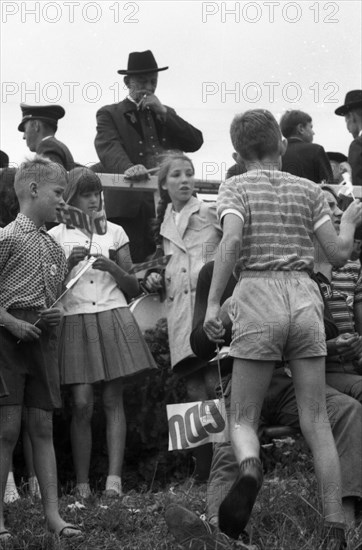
[(271, 269)]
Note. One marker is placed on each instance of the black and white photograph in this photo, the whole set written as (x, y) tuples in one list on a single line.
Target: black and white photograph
[(180, 275)]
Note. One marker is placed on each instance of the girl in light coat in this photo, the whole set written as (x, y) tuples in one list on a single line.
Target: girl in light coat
[(187, 228)]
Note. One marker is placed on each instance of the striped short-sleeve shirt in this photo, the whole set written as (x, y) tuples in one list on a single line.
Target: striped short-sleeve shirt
[(279, 218), (32, 266)]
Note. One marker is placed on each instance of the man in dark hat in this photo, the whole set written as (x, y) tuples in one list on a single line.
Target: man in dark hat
[(303, 158), (39, 124), (131, 134), (339, 165), (4, 160), (352, 112), (131, 137)]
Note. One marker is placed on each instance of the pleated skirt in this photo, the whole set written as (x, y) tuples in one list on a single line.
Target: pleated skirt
[(102, 346)]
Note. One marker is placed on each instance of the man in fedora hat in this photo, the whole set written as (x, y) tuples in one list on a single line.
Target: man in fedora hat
[(131, 137), (133, 133), (352, 112), (39, 125)]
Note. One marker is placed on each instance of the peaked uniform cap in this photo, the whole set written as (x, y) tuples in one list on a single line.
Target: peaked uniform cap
[(141, 62), (352, 101), (47, 113)]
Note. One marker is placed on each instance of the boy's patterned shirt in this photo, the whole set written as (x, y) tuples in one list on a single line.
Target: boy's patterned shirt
[(32, 266)]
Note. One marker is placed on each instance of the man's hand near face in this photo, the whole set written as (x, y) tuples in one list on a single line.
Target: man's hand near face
[(152, 102)]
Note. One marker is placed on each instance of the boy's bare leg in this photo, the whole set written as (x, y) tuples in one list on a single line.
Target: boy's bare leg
[(309, 384), (10, 421), (40, 427), (33, 484), (250, 383)]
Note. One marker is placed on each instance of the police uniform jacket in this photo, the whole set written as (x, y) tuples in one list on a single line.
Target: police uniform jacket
[(56, 151)]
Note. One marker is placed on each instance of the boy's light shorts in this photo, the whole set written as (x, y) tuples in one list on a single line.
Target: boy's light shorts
[(277, 314), (30, 369)]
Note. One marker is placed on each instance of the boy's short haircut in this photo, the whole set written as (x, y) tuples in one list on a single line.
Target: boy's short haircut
[(255, 134), (39, 169), (290, 120)]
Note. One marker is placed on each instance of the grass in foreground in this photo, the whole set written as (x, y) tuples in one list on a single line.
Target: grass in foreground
[(286, 514)]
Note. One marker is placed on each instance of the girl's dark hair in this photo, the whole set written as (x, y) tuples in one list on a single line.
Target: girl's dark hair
[(165, 199), (81, 180), (9, 204)]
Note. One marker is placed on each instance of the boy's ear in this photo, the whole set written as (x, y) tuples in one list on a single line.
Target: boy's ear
[(283, 146), (300, 128), (236, 156), (33, 186)]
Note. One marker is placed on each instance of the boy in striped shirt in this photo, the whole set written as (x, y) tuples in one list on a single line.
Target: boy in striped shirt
[(269, 220)]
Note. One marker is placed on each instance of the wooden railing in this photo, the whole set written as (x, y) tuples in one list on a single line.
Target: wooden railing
[(208, 188)]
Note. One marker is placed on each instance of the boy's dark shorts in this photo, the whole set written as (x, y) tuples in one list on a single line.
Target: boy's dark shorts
[(30, 369)]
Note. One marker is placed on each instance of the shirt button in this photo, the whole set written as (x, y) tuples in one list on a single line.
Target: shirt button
[(163, 139), (183, 270), (94, 303), (170, 298), (91, 282), (140, 142), (141, 154), (152, 137), (186, 291), (153, 146)]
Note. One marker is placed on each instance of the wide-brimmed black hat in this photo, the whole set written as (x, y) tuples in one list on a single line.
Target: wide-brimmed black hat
[(337, 157), (4, 160), (47, 113), (141, 62), (353, 101)]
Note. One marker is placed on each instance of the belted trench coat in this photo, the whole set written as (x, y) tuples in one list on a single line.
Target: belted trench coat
[(192, 243)]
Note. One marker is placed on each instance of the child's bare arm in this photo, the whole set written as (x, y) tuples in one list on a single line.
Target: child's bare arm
[(20, 329), (338, 248), (227, 254)]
